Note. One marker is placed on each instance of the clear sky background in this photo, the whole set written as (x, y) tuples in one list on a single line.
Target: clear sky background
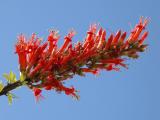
[(132, 94)]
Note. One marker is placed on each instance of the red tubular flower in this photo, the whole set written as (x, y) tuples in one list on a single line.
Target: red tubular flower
[(37, 94), (68, 57), (116, 38), (36, 55), (68, 39), (110, 67), (123, 36), (99, 33), (53, 38), (37, 91), (86, 55), (37, 68), (144, 36), (116, 61), (95, 71), (102, 40), (98, 36), (21, 51), (110, 39), (22, 61), (48, 67), (48, 87), (138, 30), (71, 91), (90, 35)]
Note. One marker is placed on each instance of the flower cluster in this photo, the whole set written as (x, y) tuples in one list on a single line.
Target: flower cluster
[(46, 66)]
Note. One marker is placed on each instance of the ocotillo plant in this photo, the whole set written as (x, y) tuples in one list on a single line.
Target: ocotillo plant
[(45, 66)]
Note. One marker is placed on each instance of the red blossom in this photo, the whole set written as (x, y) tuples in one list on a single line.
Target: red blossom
[(144, 36), (48, 67), (48, 87), (68, 40), (102, 40), (110, 67), (37, 91), (53, 37), (116, 38), (95, 72), (108, 44), (116, 61), (21, 50), (123, 36)]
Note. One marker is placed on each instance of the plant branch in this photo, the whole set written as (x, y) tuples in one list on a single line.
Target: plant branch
[(10, 87)]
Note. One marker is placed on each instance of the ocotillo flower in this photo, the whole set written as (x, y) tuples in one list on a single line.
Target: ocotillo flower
[(47, 66)]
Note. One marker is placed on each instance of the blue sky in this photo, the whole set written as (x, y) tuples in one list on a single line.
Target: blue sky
[(132, 94)]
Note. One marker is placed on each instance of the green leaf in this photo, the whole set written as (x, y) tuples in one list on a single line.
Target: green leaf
[(22, 77), (5, 75), (10, 98), (1, 86), (11, 77)]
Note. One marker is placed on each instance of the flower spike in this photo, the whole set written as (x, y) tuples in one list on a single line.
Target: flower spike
[(45, 66)]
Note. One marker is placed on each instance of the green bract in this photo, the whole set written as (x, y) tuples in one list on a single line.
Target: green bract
[(1, 86), (11, 77)]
